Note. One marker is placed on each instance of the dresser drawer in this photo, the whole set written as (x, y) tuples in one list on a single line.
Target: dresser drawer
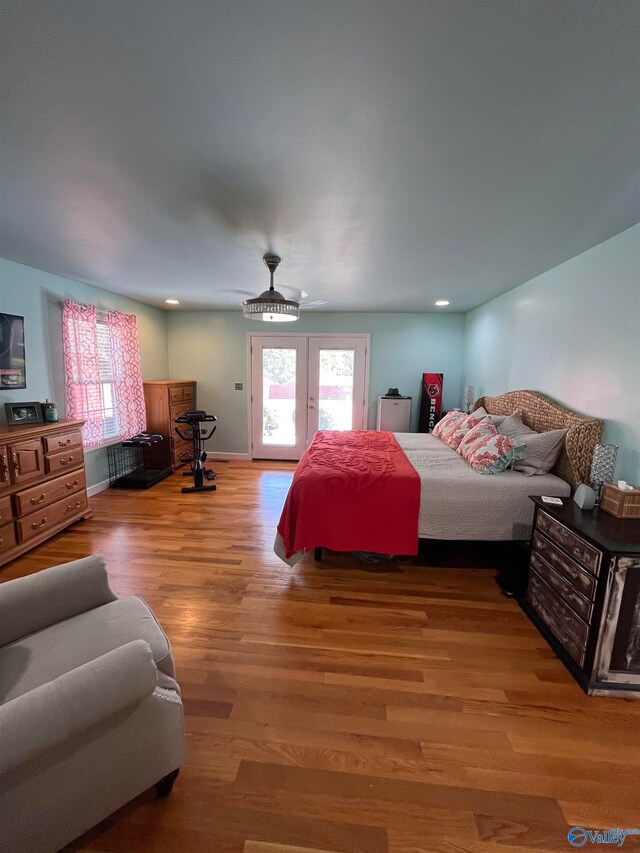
[(5, 510), (563, 620), (39, 522), (562, 586), (57, 443), (7, 537), (179, 448), (33, 499), (65, 460), (580, 579), (576, 651), (176, 394), (178, 412), (574, 545), (189, 393)]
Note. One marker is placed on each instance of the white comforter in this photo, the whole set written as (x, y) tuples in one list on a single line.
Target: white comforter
[(458, 503)]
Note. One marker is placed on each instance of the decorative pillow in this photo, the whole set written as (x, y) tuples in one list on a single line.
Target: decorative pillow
[(491, 453), (476, 432), (460, 428), (480, 413), (542, 448), (542, 451), (446, 423), (495, 420), (498, 420), (513, 427)]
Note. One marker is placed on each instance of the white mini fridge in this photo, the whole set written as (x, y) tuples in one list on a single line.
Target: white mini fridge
[(394, 414)]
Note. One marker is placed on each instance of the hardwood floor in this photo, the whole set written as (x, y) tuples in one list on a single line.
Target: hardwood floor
[(342, 708)]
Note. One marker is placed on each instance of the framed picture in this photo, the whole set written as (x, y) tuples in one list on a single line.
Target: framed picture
[(23, 413), (12, 361)]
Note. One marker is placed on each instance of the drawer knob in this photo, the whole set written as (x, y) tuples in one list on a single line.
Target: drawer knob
[(66, 461), (74, 506), (578, 551), (64, 443), (72, 485), (39, 500), (35, 526)]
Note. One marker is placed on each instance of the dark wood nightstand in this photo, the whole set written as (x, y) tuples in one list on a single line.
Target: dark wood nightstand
[(583, 594)]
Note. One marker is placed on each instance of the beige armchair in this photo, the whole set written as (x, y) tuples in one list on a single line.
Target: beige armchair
[(90, 713)]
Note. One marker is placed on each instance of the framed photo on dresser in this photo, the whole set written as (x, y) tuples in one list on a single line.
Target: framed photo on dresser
[(23, 413)]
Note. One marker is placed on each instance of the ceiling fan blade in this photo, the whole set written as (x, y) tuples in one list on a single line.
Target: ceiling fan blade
[(238, 292)]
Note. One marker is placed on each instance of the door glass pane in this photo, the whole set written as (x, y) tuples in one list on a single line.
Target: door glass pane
[(279, 396), (335, 400)]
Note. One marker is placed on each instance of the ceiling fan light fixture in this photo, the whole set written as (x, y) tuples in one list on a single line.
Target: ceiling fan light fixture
[(271, 306)]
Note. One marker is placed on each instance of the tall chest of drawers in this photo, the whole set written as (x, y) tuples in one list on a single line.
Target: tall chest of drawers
[(43, 486), (584, 594), (165, 401)]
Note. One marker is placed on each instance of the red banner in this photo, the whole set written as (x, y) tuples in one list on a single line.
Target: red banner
[(431, 403)]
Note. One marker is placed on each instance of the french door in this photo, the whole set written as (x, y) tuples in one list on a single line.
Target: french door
[(302, 383)]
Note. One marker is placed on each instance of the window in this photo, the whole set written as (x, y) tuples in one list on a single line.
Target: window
[(102, 373), (105, 366)]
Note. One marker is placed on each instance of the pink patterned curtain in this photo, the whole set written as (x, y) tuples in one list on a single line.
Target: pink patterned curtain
[(127, 374), (82, 370)]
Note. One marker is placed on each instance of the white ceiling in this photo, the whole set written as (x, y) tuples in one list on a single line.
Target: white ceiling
[(392, 152)]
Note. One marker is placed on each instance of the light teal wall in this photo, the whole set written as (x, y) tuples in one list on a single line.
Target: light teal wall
[(573, 334), (36, 296), (211, 347)]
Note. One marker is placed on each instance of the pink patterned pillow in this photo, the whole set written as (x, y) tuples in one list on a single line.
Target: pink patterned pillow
[(491, 454), (454, 436), (446, 423), (478, 431)]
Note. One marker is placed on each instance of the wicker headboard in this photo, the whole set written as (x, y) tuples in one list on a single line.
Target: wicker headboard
[(542, 414)]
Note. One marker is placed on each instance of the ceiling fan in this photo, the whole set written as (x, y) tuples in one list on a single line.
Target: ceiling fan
[(272, 305)]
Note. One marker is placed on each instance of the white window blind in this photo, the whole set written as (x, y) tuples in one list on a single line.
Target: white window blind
[(110, 426)]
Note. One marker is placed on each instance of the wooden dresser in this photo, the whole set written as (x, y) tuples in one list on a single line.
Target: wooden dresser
[(584, 594), (165, 401), (43, 487)]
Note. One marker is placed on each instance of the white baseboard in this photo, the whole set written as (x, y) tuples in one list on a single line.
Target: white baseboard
[(97, 487), (228, 456)]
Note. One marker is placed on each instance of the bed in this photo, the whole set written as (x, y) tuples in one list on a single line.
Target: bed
[(454, 502)]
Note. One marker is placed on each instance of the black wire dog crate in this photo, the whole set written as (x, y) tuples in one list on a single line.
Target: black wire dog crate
[(138, 467)]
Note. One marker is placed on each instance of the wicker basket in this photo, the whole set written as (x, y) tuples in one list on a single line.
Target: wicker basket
[(622, 504)]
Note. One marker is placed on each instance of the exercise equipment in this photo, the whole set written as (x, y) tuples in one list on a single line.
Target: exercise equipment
[(197, 435)]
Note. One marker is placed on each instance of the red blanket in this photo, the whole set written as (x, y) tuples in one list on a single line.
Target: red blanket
[(352, 491)]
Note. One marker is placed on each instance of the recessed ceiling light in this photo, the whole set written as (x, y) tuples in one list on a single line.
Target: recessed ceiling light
[(442, 302), (175, 302)]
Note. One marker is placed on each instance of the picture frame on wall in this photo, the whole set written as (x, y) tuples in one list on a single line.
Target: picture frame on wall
[(13, 373), (23, 413)]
